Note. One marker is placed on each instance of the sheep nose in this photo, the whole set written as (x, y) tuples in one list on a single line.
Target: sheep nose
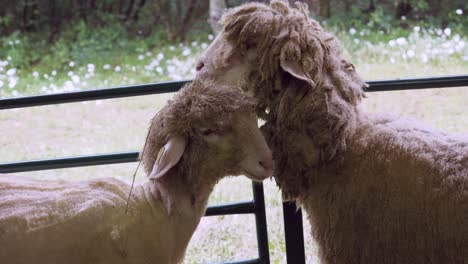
[(200, 66)]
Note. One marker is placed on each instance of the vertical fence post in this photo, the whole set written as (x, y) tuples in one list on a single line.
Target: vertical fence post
[(294, 233), (260, 220)]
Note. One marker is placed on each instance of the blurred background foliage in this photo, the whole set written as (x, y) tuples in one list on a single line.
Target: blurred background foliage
[(44, 25)]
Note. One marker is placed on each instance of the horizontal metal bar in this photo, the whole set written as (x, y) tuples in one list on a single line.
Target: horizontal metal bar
[(250, 261), (71, 97), (71, 162), (419, 83), (231, 208), (166, 87)]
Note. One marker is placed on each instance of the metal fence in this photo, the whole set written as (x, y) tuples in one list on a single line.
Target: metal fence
[(294, 236)]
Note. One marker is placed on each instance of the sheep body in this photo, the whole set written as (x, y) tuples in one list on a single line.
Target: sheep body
[(376, 188), (84, 222), (400, 196), (204, 134)]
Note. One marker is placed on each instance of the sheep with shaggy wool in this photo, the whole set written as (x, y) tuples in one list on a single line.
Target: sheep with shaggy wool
[(376, 188), (204, 134)]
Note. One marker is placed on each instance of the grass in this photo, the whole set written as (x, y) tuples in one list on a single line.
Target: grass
[(118, 125)]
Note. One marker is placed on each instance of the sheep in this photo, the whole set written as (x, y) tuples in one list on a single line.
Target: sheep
[(204, 134), (376, 188)]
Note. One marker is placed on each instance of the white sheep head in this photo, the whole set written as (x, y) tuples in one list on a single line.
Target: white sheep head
[(306, 91), (205, 133)]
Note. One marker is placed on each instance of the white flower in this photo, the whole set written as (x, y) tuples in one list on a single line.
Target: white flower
[(11, 72), (1, 84), (90, 66), (160, 56), (361, 33), (71, 64), (461, 44), (70, 74), (439, 32), (416, 29), (356, 41), (401, 41), (159, 70), (35, 74), (171, 69), (133, 68), (106, 67), (456, 38), (204, 45), (68, 86), (54, 72), (459, 12), (352, 31), (171, 48), (447, 31), (9, 58), (141, 57), (410, 53), (12, 82), (465, 58), (149, 53), (186, 52), (210, 37), (403, 18), (117, 68), (392, 60), (194, 44), (392, 43), (15, 93), (46, 76), (75, 79)]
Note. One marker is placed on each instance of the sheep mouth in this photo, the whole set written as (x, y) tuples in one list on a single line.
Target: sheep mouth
[(258, 177)]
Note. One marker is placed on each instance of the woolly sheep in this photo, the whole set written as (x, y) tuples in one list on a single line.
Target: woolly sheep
[(376, 188), (204, 134)]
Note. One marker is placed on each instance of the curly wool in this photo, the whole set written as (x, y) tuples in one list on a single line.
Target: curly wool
[(326, 111), (377, 189)]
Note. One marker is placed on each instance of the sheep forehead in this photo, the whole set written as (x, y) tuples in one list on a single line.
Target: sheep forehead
[(203, 104)]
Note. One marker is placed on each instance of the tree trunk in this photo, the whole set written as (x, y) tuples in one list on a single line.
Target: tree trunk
[(325, 8), (403, 8), (217, 8), (137, 11), (129, 10)]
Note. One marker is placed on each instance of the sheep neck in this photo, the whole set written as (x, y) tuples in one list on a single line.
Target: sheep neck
[(182, 196)]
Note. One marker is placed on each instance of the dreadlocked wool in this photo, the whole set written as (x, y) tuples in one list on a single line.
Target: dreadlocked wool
[(377, 188)]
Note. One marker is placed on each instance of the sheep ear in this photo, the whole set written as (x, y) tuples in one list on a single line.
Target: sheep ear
[(295, 69), (168, 156)]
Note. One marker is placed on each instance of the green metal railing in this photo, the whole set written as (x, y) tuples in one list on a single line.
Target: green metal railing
[(292, 217)]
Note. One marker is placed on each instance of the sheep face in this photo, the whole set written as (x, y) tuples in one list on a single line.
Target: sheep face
[(223, 67), (238, 148), (305, 91), (208, 130)]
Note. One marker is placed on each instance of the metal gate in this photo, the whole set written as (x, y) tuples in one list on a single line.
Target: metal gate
[(294, 236)]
